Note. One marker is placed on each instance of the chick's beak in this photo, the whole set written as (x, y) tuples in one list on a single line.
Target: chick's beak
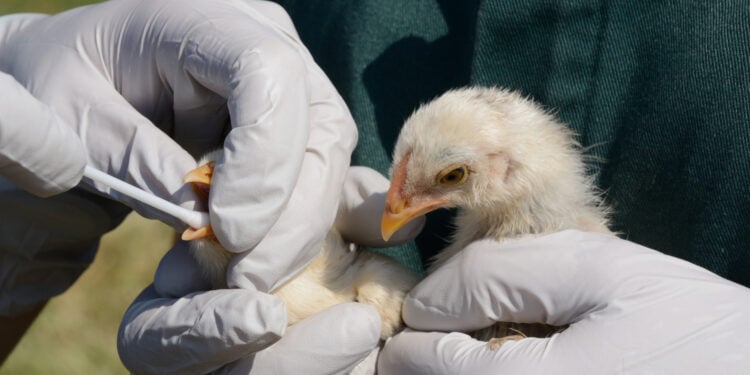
[(400, 210), (200, 180)]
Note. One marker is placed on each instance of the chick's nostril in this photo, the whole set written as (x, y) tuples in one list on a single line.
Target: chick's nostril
[(395, 207)]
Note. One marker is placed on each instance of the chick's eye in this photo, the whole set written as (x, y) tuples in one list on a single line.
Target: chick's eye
[(452, 177)]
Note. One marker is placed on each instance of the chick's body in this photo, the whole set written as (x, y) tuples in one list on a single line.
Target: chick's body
[(339, 273), (509, 166)]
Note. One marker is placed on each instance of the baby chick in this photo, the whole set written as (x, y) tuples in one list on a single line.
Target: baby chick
[(340, 273), (509, 166)]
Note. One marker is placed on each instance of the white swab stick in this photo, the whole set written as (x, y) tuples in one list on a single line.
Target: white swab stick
[(195, 219)]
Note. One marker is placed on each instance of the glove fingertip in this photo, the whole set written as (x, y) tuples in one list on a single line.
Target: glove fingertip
[(415, 352), (178, 273), (274, 318)]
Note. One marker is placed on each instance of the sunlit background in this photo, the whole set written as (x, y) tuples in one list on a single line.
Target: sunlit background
[(40, 6), (76, 332)]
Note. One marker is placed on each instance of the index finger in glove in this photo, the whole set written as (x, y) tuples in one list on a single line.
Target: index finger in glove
[(554, 279), (197, 333), (438, 353), (333, 341)]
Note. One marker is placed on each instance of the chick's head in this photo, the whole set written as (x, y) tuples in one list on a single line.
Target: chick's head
[(475, 149)]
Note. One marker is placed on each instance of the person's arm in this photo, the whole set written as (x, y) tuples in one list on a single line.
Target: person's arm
[(630, 309), (12, 329)]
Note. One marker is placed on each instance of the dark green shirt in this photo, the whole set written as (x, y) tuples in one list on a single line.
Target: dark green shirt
[(658, 91)]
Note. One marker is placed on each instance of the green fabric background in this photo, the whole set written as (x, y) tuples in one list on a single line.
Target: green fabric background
[(658, 91)]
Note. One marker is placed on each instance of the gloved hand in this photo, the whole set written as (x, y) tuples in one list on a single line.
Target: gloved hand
[(631, 310), (42, 155), (173, 328), (148, 85), (201, 332), (38, 153)]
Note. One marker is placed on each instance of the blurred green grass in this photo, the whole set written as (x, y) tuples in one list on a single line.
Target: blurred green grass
[(40, 6), (76, 332)]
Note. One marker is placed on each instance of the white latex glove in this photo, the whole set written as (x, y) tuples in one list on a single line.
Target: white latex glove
[(632, 310), (201, 332), (172, 329), (146, 83), (38, 153)]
